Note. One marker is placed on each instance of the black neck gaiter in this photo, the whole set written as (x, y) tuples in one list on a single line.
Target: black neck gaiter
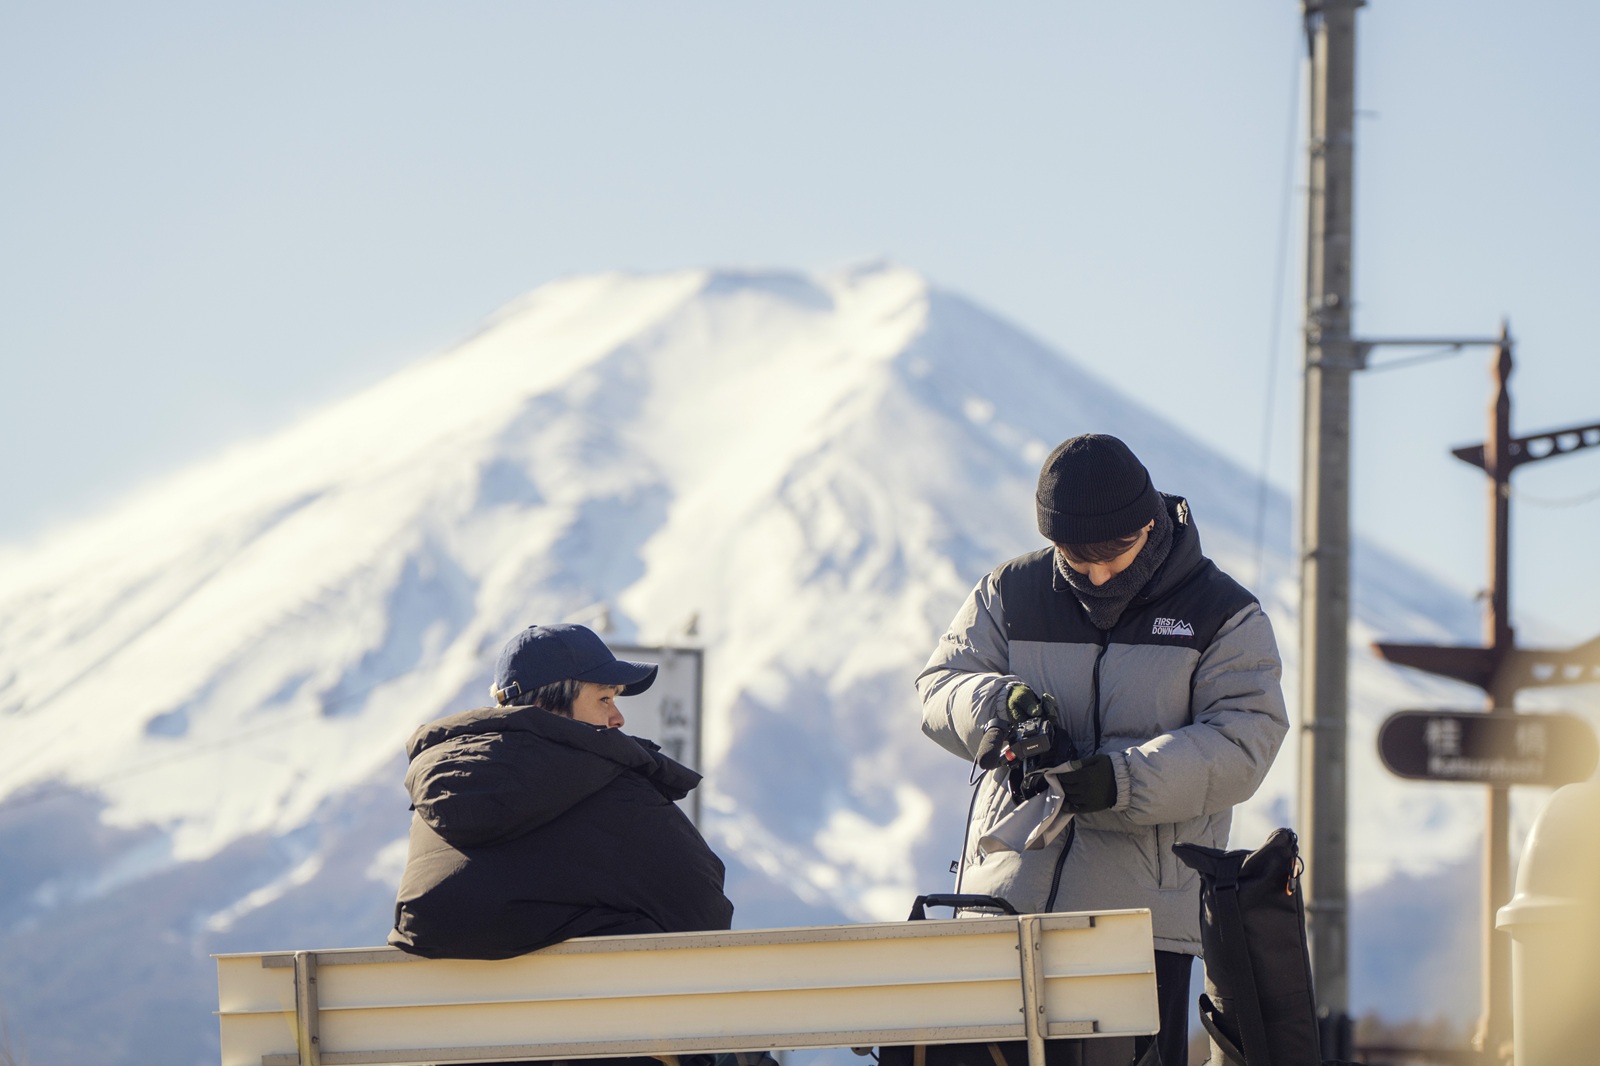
[(1105, 603)]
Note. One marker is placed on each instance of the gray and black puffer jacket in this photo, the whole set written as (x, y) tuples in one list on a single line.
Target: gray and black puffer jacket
[(532, 828), (1183, 693)]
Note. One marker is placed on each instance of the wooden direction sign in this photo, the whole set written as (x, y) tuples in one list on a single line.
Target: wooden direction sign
[(1488, 747)]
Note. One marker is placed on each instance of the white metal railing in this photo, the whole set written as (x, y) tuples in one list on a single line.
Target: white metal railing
[(1029, 978)]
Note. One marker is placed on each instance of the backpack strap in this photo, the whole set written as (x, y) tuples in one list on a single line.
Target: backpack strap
[(959, 901), (1252, 1030), (1208, 1018)]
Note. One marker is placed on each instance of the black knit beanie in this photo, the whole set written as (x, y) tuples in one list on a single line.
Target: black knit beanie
[(1092, 489)]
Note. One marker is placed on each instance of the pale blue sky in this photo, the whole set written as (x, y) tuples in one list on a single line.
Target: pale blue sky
[(218, 216)]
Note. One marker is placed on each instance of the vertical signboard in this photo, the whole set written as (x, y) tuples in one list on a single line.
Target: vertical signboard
[(668, 712)]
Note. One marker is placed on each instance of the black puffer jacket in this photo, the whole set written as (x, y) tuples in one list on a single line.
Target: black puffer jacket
[(531, 828)]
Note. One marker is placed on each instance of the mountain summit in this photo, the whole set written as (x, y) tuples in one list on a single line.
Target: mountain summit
[(205, 690)]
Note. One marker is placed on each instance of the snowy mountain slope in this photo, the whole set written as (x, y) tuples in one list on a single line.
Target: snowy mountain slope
[(211, 682)]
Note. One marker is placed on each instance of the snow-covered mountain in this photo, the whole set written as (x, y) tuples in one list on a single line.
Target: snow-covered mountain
[(204, 691)]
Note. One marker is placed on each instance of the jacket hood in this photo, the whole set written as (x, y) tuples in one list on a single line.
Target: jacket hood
[(1184, 558), (486, 776)]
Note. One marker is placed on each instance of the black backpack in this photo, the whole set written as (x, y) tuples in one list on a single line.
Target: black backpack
[(1259, 1005)]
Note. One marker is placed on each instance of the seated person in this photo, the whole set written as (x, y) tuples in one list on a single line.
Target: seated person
[(538, 820)]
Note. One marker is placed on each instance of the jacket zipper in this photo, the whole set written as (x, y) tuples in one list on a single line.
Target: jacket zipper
[(1105, 643)]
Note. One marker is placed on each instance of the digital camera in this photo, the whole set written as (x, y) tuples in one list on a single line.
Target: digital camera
[(1032, 737)]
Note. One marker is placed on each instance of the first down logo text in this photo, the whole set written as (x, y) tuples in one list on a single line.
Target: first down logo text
[(1172, 627)]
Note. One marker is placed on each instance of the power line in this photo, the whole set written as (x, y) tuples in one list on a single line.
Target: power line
[(1290, 154)]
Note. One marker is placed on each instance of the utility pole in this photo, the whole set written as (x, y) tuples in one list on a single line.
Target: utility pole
[(1332, 355), (1330, 358), (1494, 1028)]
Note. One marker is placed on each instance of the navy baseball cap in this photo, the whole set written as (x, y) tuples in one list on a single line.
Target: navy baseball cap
[(540, 655)]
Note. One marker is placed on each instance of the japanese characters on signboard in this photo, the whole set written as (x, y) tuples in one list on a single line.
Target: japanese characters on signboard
[(1488, 747)]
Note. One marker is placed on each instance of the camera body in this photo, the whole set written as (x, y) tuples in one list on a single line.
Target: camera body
[(1031, 748), (1027, 739), (1032, 738)]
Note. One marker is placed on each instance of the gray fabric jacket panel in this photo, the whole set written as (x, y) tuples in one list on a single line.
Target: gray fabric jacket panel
[(1186, 700)]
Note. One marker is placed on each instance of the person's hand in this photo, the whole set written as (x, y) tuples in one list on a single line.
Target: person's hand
[(1090, 785), (1023, 703)]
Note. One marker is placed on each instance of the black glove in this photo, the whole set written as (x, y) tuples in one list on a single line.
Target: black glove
[(1023, 703), (1090, 785)]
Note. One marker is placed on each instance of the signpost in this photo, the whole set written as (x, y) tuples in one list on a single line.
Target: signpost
[(1501, 669), (1488, 747), (668, 712)]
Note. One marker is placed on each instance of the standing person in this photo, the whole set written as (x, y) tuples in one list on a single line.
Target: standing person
[(538, 820), (1160, 676)]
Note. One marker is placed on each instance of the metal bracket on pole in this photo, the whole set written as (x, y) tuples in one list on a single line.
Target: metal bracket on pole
[(1364, 346), (306, 1023), (1354, 353), (1428, 342), (1030, 942)]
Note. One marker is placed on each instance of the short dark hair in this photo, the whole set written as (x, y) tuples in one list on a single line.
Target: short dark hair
[(556, 697), (1101, 551)]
